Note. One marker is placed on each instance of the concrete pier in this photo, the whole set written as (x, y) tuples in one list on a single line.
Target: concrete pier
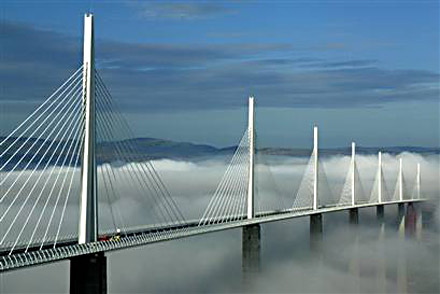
[(400, 212), (401, 209), (411, 221), (353, 216), (354, 262), (401, 219), (88, 274), (316, 232), (380, 213), (251, 247)]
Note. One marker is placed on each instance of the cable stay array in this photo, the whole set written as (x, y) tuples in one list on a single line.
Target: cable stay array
[(304, 195), (400, 188), (361, 196), (39, 170), (379, 191), (228, 202), (347, 189), (353, 180), (124, 169), (268, 195), (416, 191), (326, 194), (303, 199)]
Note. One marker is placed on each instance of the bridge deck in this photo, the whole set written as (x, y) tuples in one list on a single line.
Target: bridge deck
[(145, 235)]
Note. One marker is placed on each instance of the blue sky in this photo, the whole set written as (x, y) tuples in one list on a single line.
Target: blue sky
[(363, 70)]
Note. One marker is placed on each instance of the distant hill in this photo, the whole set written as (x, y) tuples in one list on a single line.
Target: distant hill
[(159, 148), (347, 150), (152, 148)]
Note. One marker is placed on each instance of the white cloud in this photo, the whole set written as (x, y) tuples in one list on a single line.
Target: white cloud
[(211, 263)]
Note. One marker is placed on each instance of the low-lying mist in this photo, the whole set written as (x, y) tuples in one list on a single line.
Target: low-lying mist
[(365, 262)]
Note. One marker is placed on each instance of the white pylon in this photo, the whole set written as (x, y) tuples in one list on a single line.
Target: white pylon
[(379, 177), (353, 173), (418, 181), (315, 170), (400, 179), (88, 222), (251, 129)]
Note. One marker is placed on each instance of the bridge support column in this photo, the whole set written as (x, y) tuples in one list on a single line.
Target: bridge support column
[(353, 216), (316, 232), (411, 220), (251, 247), (401, 210), (401, 218), (380, 213), (88, 274), (381, 256), (354, 263), (428, 220), (401, 270)]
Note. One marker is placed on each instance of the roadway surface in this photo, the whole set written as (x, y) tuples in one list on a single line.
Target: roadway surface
[(144, 235)]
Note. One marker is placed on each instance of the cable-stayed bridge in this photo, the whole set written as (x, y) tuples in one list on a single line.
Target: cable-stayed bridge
[(67, 167)]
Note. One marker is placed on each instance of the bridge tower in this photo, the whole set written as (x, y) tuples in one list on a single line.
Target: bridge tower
[(251, 130), (379, 176), (251, 235), (315, 167), (418, 181), (353, 212), (315, 219), (88, 223), (400, 179), (88, 273), (353, 173), (401, 206), (379, 208)]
